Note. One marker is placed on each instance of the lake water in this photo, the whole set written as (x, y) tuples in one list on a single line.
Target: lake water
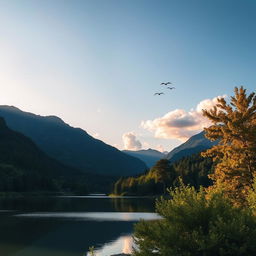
[(68, 226)]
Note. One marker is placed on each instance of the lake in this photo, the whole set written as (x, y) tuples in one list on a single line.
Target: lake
[(68, 226)]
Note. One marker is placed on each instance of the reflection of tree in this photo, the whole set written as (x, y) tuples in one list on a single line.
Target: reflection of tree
[(20, 233), (128, 243), (122, 244), (124, 204)]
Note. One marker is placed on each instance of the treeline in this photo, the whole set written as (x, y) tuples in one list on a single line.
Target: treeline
[(192, 170), (13, 179)]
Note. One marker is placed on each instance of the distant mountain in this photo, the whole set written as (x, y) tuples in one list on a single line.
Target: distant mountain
[(193, 145), (71, 146), (148, 156), (24, 167)]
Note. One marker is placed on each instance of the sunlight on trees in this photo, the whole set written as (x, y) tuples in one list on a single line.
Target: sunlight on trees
[(219, 220), (197, 223), (234, 124)]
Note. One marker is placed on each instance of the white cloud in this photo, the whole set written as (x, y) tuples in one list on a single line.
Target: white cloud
[(180, 124), (208, 103), (130, 141)]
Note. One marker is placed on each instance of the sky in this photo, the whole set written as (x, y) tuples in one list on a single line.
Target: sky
[(97, 63)]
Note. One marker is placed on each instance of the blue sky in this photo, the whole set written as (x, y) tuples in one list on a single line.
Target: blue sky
[(97, 63)]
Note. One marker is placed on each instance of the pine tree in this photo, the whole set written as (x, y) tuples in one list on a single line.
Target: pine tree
[(234, 125)]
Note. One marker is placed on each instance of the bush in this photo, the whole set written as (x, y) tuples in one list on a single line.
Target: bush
[(197, 224)]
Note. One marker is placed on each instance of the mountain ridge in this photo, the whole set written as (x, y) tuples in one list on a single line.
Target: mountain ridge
[(195, 144), (149, 156), (24, 167), (71, 146)]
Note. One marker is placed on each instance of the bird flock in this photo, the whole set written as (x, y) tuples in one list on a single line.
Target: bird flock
[(168, 87)]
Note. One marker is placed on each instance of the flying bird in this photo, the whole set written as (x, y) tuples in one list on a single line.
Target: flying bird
[(158, 93), (171, 88), (166, 83)]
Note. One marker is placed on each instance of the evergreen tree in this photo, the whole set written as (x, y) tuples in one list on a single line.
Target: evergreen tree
[(163, 173), (234, 125)]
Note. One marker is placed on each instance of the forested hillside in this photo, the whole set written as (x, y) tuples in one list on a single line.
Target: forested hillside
[(191, 170), (24, 167)]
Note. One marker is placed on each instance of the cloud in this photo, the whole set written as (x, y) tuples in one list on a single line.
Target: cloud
[(180, 124), (130, 141)]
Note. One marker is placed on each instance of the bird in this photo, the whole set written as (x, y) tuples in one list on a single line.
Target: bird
[(158, 93), (166, 83), (171, 88)]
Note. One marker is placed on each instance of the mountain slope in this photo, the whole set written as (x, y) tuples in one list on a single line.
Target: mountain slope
[(71, 146), (148, 156), (193, 145), (24, 167)]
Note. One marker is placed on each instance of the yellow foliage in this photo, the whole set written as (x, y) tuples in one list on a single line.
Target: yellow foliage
[(234, 125)]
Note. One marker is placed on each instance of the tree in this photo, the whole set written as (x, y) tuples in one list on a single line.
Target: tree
[(234, 125), (251, 198), (163, 173), (195, 224)]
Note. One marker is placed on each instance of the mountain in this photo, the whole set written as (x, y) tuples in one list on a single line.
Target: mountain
[(24, 167), (193, 145), (148, 156), (71, 146)]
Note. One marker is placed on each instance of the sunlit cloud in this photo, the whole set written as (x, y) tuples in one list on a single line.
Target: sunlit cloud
[(179, 123), (131, 142)]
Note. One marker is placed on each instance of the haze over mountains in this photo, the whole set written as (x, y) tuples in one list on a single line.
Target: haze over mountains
[(149, 156), (71, 146), (193, 145)]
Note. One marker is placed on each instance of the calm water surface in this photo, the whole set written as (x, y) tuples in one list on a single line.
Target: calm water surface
[(68, 226)]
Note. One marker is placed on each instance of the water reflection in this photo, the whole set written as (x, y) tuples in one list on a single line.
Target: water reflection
[(123, 244), (79, 204), (69, 226), (128, 243), (95, 216)]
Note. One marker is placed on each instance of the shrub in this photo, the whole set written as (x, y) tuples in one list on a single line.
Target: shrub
[(197, 224)]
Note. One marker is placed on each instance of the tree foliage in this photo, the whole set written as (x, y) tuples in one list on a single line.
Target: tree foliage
[(192, 170), (195, 224), (220, 220), (234, 124), (153, 182)]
